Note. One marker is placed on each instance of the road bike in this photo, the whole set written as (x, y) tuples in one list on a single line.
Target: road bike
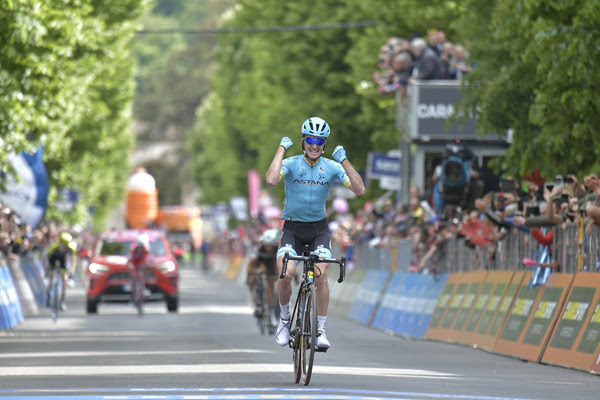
[(138, 289), (303, 322), (55, 292), (263, 313)]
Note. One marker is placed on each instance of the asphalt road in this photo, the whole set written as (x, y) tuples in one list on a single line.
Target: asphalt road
[(212, 349)]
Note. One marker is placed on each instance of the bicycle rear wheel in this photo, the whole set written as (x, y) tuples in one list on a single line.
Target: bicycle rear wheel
[(309, 332), (259, 305), (139, 295)]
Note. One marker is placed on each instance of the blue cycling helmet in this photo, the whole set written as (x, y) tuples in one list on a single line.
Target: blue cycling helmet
[(316, 126)]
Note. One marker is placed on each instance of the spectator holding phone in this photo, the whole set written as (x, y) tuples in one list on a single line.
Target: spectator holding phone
[(573, 187), (557, 205)]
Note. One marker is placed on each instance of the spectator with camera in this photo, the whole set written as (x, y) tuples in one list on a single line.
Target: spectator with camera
[(557, 202)]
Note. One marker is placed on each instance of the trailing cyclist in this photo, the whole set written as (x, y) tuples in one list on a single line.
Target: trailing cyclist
[(308, 178), (138, 262), (265, 261), (61, 256)]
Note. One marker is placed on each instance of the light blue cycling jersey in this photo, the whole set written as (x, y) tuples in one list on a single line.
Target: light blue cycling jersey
[(307, 187)]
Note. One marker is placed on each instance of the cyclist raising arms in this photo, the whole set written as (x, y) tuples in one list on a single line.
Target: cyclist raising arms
[(308, 179), (60, 254)]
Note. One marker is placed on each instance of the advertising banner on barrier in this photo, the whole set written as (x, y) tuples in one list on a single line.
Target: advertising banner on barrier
[(406, 306), (455, 302), (475, 282), (368, 296), (450, 298), (575, 340), (427, 290), (385, 315), (486, 305), (499, 318), (9, 300), (532, 317), (415, 303), (344, 296)]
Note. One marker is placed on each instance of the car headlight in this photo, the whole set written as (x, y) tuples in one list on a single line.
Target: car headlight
[(167, 266), (96, 268)]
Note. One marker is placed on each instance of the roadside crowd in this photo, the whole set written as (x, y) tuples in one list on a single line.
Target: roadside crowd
[(403, 60), (537, 207), (17, 237)]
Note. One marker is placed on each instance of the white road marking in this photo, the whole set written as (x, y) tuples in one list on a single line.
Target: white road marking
[(69, 354), (107, 370)]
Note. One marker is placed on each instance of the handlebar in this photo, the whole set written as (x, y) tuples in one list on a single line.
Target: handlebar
[(315, 259)]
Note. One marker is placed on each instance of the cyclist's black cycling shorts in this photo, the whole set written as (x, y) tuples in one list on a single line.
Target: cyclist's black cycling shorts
[(297, 234), (267, 257)]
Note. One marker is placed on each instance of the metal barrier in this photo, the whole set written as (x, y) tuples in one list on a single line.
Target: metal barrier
[(575, 248)]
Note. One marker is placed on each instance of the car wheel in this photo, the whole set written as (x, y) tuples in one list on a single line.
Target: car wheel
[(92, 306), (172, 304)]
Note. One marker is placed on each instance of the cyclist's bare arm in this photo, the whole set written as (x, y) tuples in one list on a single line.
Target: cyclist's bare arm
[(356, 183), (274, 172)]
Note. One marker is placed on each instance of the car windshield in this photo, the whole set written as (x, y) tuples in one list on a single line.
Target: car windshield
[(113, 248)]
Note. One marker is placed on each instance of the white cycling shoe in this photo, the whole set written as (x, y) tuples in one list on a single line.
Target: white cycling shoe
[(283, 332), (322, 341)]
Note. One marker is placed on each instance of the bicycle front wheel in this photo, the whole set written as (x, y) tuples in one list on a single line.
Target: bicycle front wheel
[(54, 297), (309, 332)]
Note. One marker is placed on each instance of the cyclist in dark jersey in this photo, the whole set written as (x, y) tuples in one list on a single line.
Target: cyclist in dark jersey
[(265, 260), (60, 255), (308, 179)]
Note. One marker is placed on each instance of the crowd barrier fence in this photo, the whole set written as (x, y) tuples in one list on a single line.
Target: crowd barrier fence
[(11, 313)]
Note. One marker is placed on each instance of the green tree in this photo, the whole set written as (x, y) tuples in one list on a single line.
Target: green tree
[(67, 82), (536, 73)]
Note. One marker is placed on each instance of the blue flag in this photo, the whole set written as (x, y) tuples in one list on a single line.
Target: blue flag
[(28, 195)]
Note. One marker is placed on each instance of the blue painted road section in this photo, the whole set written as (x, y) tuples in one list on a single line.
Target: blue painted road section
[(235, 393)]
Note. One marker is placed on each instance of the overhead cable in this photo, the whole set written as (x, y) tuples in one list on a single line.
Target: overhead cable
[(289, 28)]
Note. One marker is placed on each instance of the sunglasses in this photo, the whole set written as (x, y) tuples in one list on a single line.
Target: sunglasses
[(312, 140)]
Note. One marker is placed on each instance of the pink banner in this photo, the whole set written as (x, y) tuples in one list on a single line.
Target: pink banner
[(253, 193)]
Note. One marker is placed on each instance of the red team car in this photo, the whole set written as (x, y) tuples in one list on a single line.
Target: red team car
[(107, 275)]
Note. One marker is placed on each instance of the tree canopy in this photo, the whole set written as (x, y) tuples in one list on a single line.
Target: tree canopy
[(66, 81), (537, 64)]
